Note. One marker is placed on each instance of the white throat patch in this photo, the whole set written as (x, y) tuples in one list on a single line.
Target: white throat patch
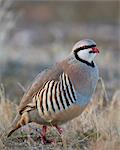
[(85, 55)]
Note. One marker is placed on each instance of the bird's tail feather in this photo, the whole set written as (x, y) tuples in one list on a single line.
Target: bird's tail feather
[(19, 121), (15, 125)]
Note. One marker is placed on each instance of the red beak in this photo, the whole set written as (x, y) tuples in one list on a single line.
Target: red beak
[(95, 50)]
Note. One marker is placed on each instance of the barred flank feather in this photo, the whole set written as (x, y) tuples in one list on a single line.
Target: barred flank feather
[(56, 96)]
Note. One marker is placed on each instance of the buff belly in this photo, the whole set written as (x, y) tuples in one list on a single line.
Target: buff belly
[(60, 117)]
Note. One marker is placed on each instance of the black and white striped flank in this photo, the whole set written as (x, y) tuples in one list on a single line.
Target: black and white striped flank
[(56, 96)]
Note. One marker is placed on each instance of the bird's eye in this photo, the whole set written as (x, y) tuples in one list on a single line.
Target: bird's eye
[(84, 47), (90, 52)]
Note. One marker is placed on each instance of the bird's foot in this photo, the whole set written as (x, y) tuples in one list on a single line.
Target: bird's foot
[(46, 141), (59, 129), (43, 137)]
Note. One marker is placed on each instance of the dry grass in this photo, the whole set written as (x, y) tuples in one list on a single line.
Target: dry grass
[(97, 128), (7, 110)]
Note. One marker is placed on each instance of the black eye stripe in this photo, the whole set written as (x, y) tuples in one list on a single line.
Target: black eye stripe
[(91, 52), (84, 61), (84, 47)]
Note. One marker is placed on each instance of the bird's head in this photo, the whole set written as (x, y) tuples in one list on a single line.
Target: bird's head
[(85, 50)]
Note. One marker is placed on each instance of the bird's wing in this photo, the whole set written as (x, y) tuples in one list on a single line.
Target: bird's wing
[(56, 97), (43, 77)]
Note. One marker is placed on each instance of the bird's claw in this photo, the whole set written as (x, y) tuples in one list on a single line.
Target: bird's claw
[(60, 130), (46, 141)]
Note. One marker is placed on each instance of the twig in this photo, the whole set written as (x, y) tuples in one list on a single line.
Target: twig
[(104, 89), (2, 92), (21, 86)]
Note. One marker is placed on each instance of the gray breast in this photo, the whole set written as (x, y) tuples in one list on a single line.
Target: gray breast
[(87, 84)]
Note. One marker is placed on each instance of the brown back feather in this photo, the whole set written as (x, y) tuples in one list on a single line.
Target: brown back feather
[(49, 74)]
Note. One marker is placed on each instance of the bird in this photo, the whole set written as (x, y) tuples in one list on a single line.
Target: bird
[(60, 93)]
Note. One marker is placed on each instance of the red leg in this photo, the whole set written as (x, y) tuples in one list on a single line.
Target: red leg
[(43, 137), (60, 130)]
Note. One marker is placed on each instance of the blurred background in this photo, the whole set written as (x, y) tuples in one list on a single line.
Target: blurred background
[(36, 34)]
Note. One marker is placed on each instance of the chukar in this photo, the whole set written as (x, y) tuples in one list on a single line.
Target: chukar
[(62, 92)]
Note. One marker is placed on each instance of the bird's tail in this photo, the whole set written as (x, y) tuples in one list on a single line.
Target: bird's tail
[(15, 125), (19, 121)]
